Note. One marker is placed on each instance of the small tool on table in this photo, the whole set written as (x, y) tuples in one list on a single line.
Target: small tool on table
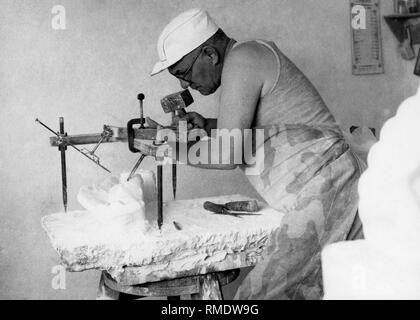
[(177, 225), (234, 208)]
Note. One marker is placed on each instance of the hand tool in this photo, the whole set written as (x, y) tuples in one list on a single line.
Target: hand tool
[(175, 104), (216, 208), (246, 206), (242, 208)]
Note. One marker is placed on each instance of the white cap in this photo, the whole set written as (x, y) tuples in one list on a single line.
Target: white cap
[(182, 35)]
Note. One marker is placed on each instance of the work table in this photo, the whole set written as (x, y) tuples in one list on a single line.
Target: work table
[(206, 243)]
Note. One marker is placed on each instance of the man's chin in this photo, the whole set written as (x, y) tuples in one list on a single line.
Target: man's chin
[(205, 92)]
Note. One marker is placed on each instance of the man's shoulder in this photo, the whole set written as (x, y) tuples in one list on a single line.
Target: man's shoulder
[(251, 48), (251, 51)]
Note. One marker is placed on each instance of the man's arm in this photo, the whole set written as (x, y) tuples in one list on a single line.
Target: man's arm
[(242, 82), (246, 72)]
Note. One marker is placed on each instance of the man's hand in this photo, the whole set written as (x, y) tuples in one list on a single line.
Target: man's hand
[(194, 120)]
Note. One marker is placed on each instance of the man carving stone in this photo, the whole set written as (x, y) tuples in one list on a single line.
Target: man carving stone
[(309, 171)]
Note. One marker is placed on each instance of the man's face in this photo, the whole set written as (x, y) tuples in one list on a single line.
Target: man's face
[(197, 71)]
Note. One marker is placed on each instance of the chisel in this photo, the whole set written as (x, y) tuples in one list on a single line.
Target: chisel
[(218, 209), (234, 208)]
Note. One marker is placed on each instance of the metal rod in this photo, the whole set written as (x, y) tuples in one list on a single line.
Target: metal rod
[(159, 196), (141, 114), (45, 126), (133, 171), (98, 144), (71, 145), (174, 164), (174, 179), (63, 166), (140, 97)]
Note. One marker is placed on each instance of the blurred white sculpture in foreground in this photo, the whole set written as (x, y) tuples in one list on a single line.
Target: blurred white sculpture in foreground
[(386, 265)]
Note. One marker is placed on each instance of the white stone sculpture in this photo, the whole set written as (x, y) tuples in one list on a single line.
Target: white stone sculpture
[(120, 202), (386, 265)]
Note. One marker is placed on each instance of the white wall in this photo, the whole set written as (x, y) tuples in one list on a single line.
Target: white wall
[(90, 74)]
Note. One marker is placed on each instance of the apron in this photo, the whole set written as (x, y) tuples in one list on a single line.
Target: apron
[(311, 175)]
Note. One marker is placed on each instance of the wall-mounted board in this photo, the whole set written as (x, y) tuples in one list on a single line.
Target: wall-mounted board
[(366, 42)]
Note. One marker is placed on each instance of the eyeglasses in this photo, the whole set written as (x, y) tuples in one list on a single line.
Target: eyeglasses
[(186, 75)]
